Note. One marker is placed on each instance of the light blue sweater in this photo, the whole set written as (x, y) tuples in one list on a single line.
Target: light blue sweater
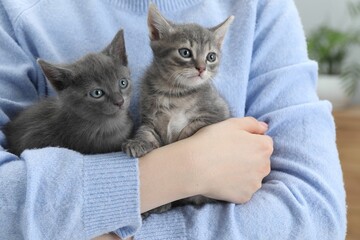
[(56, 193)]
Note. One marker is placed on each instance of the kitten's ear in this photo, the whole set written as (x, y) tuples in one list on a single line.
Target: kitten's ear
[(221, 29), (158, 25), (59, 76), (116, 48)]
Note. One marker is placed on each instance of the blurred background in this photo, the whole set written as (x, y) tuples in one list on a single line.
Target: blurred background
[(332, 29)]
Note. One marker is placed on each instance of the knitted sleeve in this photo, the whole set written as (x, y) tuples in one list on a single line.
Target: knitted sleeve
[(55, 193)]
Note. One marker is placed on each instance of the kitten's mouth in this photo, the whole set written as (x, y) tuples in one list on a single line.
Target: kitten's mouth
[(197, 77), (200, 75), (191, 79), (120, 108), (115, 111)]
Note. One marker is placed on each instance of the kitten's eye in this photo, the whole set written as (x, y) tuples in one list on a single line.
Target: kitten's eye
[(185, 53), (211, 57), (123, 83), (97, 93)]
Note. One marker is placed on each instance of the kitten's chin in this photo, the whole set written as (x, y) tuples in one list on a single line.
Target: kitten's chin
[(189, 81), (116, 111), (195, 81)]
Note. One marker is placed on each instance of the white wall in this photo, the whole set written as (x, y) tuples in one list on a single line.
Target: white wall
[(331, 12), (316, 12)]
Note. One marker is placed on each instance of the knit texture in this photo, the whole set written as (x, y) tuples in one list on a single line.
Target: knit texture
[(110, 194), (56, 193)]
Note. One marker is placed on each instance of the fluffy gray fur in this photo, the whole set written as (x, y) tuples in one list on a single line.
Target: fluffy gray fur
[(177, 95), (75, 119)]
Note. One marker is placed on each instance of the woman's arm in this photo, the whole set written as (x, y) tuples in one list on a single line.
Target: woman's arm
[(56, 193)]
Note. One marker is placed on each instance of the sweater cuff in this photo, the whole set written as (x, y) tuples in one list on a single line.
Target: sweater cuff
[(164, 226), (111, 194)]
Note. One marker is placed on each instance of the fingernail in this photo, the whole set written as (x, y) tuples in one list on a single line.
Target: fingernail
[(264, 124)]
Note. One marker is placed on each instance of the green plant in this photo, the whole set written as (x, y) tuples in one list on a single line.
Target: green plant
[(351, 77), (330, 48)]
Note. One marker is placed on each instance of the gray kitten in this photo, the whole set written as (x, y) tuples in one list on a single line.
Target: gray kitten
[(90, 113), (177, 95)]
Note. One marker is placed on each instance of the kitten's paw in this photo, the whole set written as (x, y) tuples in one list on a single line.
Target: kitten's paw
[(185, 133), (162, 208), (137, 148), (157, 210), (196, 200)]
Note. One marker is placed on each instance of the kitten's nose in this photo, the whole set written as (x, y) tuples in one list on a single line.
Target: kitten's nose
[(201, 69), (119, 102)]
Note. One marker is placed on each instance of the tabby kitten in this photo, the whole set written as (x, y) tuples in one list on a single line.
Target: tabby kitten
[(90, 113), (177, 95)]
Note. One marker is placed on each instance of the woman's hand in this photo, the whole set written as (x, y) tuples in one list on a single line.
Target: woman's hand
[(229, 159)]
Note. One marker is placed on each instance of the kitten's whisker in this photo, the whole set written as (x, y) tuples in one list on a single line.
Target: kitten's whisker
[(176, 83)]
